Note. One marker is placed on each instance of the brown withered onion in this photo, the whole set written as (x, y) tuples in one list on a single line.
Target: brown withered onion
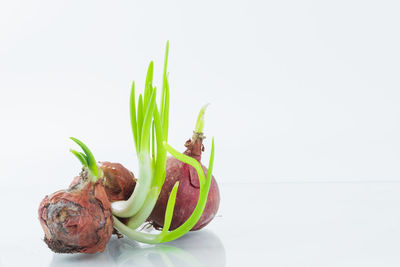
[(78, 219)]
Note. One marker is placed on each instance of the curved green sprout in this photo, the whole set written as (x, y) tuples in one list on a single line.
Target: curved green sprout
[(200, 120), (150, 129), (81, 157), (170, 209), (166, 236), (150, 133), (87, 160)]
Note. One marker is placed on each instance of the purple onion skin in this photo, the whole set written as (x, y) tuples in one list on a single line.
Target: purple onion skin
[(188, 191)]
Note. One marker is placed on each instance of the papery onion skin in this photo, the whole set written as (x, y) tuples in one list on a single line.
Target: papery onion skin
[(77, 220), (118, 181)]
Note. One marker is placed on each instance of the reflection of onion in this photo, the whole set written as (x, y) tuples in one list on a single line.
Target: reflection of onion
[(81, 260), (195, 249), (204, 245)]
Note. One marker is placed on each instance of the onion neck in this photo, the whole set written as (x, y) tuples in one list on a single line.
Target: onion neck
[(194, 146)]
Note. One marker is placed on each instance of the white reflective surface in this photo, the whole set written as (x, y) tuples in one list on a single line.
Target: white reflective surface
[(203, 248), (264, 224)]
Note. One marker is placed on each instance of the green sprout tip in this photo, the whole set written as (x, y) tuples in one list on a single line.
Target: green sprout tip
[(87, 159), (200, 120)]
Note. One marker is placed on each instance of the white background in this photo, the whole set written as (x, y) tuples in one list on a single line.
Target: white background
[(300, 91)]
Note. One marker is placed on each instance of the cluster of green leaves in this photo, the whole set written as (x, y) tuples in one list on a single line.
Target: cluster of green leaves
[(150, 133), (87, 160), (150, 130), (166, 235)]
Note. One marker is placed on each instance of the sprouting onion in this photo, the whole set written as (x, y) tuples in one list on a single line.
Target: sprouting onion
[(150, 133), (151, 170), (81, 218), (166, 236), (78, 219)]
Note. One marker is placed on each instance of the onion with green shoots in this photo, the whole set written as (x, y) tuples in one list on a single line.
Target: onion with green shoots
[(78, 219), (186, 175), (150, 133), (118, 181)]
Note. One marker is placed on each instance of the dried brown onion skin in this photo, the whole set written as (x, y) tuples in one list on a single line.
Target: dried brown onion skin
[(77, 220), (118, 181)]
